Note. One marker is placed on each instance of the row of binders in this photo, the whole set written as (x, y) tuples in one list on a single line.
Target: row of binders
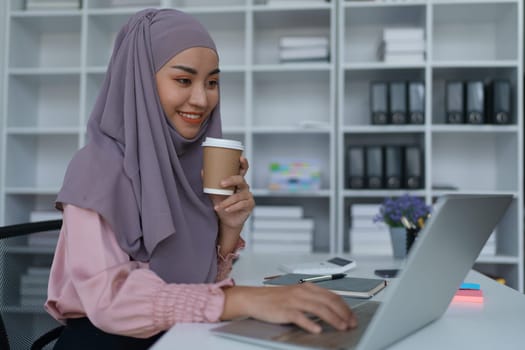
[(384, 167), (281, 229), (402, 45), (397, 102), (477, 102), (304, 48)]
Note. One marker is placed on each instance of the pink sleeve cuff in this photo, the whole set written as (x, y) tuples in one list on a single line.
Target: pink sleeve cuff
[(185, 303), (224, 266)]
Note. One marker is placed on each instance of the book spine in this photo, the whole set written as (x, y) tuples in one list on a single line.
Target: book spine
[(403, 45), (32, 301), (39, 271), (304, 53), (364, 210), (403, 34), (267, 247), (34, 291), (42, 241), (283, 224), (276, 237), (270, 211), (404, 58), (35, 216), (300, 42)]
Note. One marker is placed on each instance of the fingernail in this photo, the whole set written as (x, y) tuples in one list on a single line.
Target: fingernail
[(317, 329), (216, 208)]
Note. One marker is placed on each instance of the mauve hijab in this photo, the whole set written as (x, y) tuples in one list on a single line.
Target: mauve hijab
[(136, 170)]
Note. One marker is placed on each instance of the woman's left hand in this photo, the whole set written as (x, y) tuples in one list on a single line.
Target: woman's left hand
[(235, 209)]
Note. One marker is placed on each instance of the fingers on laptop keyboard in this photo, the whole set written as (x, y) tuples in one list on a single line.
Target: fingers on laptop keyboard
[(328, 306)]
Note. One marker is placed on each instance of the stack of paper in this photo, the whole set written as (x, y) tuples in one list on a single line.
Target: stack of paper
[(52, 4), (45, 215), (278, 229), (468, 292), (46, 239), (402, 45), (43, 239), (367, 237), (33, 286), (304, 48)]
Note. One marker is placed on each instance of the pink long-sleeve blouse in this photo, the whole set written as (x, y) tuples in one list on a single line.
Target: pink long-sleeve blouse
[(92, 276)]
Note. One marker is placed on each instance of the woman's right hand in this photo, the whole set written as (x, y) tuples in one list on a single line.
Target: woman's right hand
[(288, 304)]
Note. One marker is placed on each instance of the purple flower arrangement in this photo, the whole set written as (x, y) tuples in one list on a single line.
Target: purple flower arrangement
[(392, 209)]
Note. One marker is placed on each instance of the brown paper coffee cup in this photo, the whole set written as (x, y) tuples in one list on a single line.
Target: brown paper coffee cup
[(221, 160)]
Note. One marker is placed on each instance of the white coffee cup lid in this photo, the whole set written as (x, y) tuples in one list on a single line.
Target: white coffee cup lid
[(223, 143), (218, 191)]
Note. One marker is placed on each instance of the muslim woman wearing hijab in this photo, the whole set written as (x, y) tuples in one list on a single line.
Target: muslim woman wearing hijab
[(142, 247)]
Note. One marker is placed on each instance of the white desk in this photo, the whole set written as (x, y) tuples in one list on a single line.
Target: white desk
[(497, 323)]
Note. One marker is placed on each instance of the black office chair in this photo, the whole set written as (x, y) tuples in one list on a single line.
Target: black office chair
[(7, 342)]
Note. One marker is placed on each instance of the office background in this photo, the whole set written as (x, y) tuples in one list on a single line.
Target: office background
[(288, 112)]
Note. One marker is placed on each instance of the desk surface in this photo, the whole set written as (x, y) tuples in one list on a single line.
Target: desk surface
[(498, 322)]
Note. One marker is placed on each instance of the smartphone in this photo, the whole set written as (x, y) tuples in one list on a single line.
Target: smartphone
[(330, 266), (387, 273)]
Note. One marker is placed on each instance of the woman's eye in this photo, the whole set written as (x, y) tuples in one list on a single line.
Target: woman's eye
[(183, 81), (213, 83)]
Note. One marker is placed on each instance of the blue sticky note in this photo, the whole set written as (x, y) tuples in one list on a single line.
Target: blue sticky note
[(466, 285)]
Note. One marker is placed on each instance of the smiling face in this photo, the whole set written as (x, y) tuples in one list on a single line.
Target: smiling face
[(188, 87)]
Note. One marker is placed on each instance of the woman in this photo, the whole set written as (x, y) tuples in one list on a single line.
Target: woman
[(142, 247)]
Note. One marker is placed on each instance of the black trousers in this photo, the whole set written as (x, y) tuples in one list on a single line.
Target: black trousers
[(81, 334)]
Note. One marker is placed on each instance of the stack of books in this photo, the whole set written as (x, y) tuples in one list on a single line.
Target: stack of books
[(402, 45), (43, 240), (44, 215), (303, 48), (52, 4), (281, 229), (33, 286), (468, 292), (46, 239), (367, 237)]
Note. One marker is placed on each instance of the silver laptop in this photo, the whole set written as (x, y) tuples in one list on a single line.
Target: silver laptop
[(437, 264)]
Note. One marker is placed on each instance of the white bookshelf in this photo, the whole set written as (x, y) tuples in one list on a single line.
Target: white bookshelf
[(56, 60), (465, 40), (55, 66)]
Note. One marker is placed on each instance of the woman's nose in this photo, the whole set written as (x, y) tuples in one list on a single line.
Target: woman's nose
[(198, 96)]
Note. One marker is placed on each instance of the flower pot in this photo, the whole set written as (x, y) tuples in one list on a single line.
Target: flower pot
[(398, 237)]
